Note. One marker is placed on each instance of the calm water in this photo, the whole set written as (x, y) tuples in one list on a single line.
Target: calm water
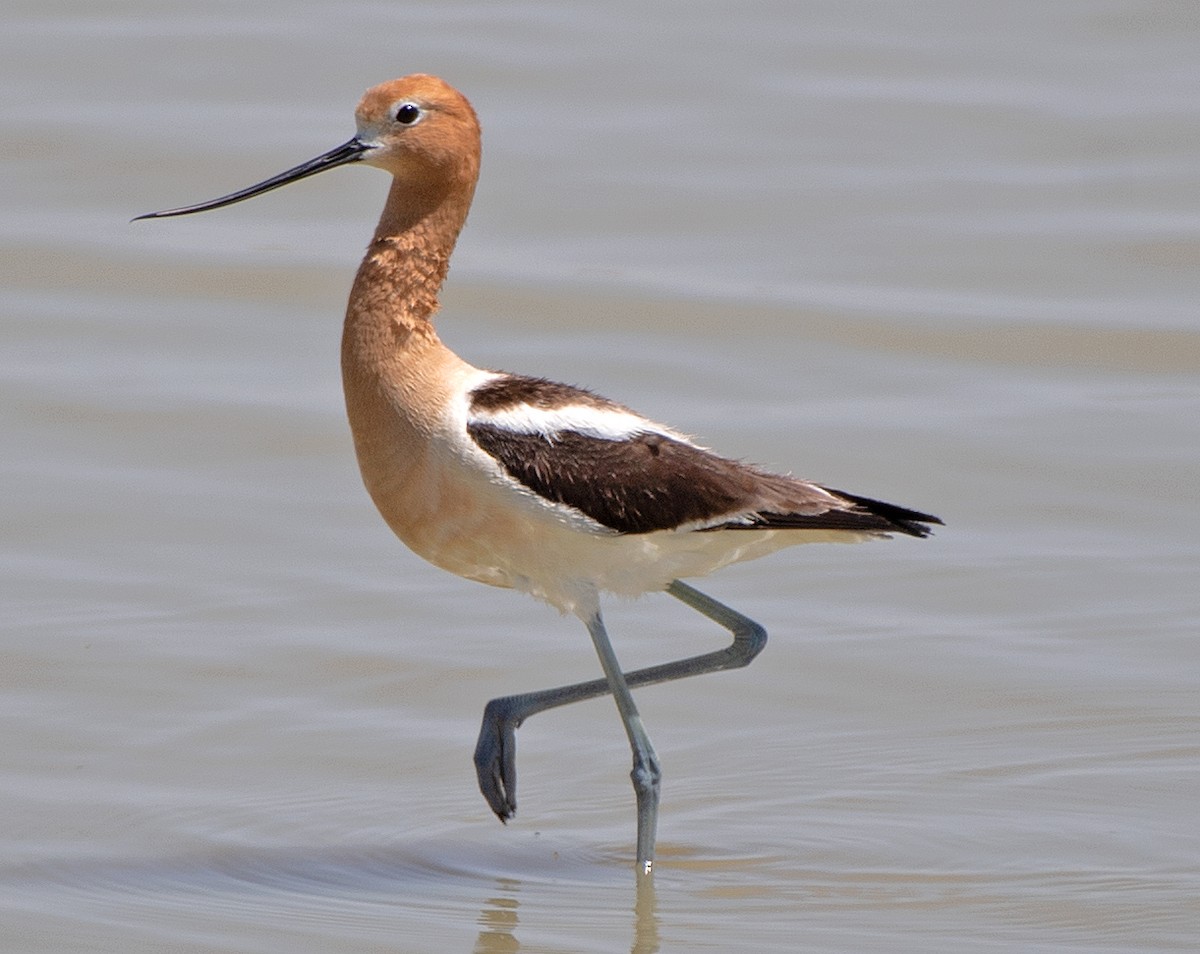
[(940, 253)]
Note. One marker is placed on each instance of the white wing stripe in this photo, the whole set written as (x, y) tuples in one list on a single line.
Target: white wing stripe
[(601, 423)]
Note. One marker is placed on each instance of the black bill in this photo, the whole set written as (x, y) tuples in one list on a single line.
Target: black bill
[(351, 151)]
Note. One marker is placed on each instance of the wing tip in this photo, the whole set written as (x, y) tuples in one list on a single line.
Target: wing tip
[(898, 519)]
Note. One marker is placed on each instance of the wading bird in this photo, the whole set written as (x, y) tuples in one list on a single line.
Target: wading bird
[(526, 483)]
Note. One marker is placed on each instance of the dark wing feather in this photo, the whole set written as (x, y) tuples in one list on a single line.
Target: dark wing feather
[(903, 520), (651, 481)]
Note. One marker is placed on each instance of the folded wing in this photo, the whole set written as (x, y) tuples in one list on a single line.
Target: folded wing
[(631, 475)]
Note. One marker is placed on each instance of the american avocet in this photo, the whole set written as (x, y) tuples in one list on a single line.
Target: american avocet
[(521, 482)]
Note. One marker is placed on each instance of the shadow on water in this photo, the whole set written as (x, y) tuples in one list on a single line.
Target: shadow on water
[(500, 920)]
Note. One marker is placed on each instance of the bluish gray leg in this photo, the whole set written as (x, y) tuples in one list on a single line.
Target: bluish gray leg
[(495, 753), (646, 773)]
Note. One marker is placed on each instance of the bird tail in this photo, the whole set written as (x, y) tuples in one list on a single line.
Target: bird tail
[(901, 519)]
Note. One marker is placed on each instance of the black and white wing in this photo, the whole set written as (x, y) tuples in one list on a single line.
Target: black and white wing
[(628, 474)]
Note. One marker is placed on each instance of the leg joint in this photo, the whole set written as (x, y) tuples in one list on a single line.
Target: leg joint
[(646, 777), (749, 639)]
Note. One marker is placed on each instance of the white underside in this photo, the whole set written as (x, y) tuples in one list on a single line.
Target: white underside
[(567, 567)]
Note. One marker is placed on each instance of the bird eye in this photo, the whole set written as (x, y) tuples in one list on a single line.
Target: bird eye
[(407, 113)]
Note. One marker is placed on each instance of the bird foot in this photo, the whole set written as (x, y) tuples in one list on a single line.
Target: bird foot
[(496, 757)]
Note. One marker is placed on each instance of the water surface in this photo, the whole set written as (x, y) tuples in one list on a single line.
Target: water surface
[(939, 254)]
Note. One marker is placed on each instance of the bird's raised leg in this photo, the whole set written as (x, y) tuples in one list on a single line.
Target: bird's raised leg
[(496, 751)]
